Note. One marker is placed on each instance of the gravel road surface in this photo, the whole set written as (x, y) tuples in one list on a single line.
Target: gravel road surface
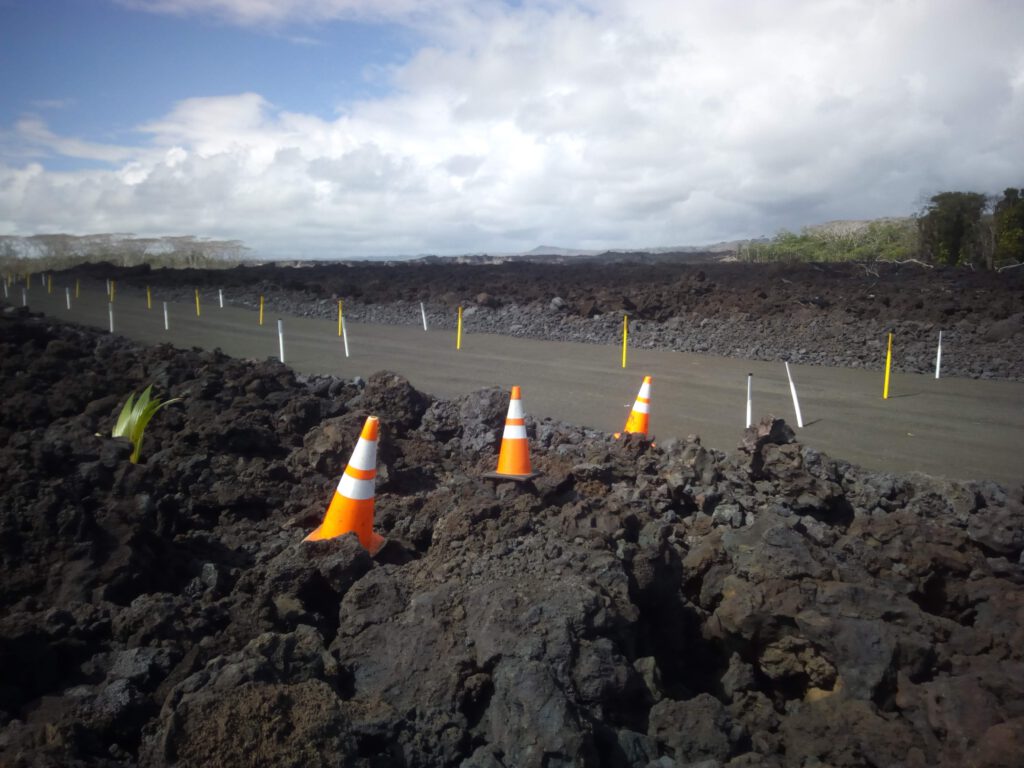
[(957, 428)]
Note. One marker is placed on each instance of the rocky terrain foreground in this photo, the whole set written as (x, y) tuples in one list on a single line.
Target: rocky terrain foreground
[(817, 314), (636, 605)]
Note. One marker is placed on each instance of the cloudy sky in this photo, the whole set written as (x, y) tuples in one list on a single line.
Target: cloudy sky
[(331, 128)]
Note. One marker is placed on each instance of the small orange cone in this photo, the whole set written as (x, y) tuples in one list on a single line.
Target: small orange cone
[(351, 509), (514, 457), (640, 415)]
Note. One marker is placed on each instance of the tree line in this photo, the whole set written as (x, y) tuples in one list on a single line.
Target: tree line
[(966, 229), (60, 251)]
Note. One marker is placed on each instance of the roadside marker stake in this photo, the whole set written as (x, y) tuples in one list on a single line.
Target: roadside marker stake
[(24, 297), (76, 287), (113, 291), (750, 378), (344, 335), (458, 335), (197, 302), (149, 298), (424, 313), (938, 357), (67, 297), (166, 326), (280, 338), (625, 337), (220, 297), (110, 311), (796, 403), (888, 367), (339, 317), (261, 309)]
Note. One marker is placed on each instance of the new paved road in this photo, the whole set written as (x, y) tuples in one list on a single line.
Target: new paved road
[(958, 428)]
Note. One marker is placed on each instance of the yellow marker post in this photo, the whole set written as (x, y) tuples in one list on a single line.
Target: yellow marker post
[(625, 337), (76, 287), (49, 283), (197, 302), (888, 367), (149, 298), (339, 317), (458, 335), (261, 309), (112, 291)]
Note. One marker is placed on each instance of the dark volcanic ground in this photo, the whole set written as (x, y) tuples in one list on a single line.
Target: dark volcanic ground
[(636, 605), (823, 314)]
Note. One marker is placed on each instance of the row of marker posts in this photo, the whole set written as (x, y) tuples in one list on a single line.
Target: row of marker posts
[(792, 391), (792, 386), (342, 328), (888, 363), (46, 280), (111, 288)]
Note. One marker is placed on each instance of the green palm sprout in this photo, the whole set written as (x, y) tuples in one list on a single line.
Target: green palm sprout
[(135, 415)]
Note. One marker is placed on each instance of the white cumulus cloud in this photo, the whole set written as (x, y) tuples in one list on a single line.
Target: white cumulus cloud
[(594, 124)]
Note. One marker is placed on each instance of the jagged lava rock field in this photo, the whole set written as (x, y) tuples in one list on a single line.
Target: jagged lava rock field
[(638, 604)]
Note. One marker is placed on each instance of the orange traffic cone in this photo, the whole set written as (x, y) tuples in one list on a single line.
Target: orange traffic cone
[(640, 415), (351, 509), (514, 457)]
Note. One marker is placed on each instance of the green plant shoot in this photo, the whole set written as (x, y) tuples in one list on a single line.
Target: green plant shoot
[(135, 415)]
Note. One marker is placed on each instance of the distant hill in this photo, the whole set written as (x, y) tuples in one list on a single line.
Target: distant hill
[(553, 250)]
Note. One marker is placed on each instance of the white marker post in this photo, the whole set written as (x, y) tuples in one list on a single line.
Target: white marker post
[(220, 296), (166, 326), (24, 297), (938, 357), (344, 335), (110, 311), (280, 337), (750, 378), (424, 313), (796, 403), (67, 297)]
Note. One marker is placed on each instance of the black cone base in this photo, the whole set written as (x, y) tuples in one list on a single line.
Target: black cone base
[(516, 478)]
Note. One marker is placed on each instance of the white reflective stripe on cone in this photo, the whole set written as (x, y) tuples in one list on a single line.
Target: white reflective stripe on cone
[(641, 407), (364, 456), (514, 432), (515, 409), (357, 490), (645, 390)]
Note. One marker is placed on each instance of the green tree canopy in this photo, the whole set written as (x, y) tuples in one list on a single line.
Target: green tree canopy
[(952, 231), (883, 239), (1009, 227)]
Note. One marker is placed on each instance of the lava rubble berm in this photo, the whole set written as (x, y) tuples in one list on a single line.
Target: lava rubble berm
[(817, 314), (637, 605)]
